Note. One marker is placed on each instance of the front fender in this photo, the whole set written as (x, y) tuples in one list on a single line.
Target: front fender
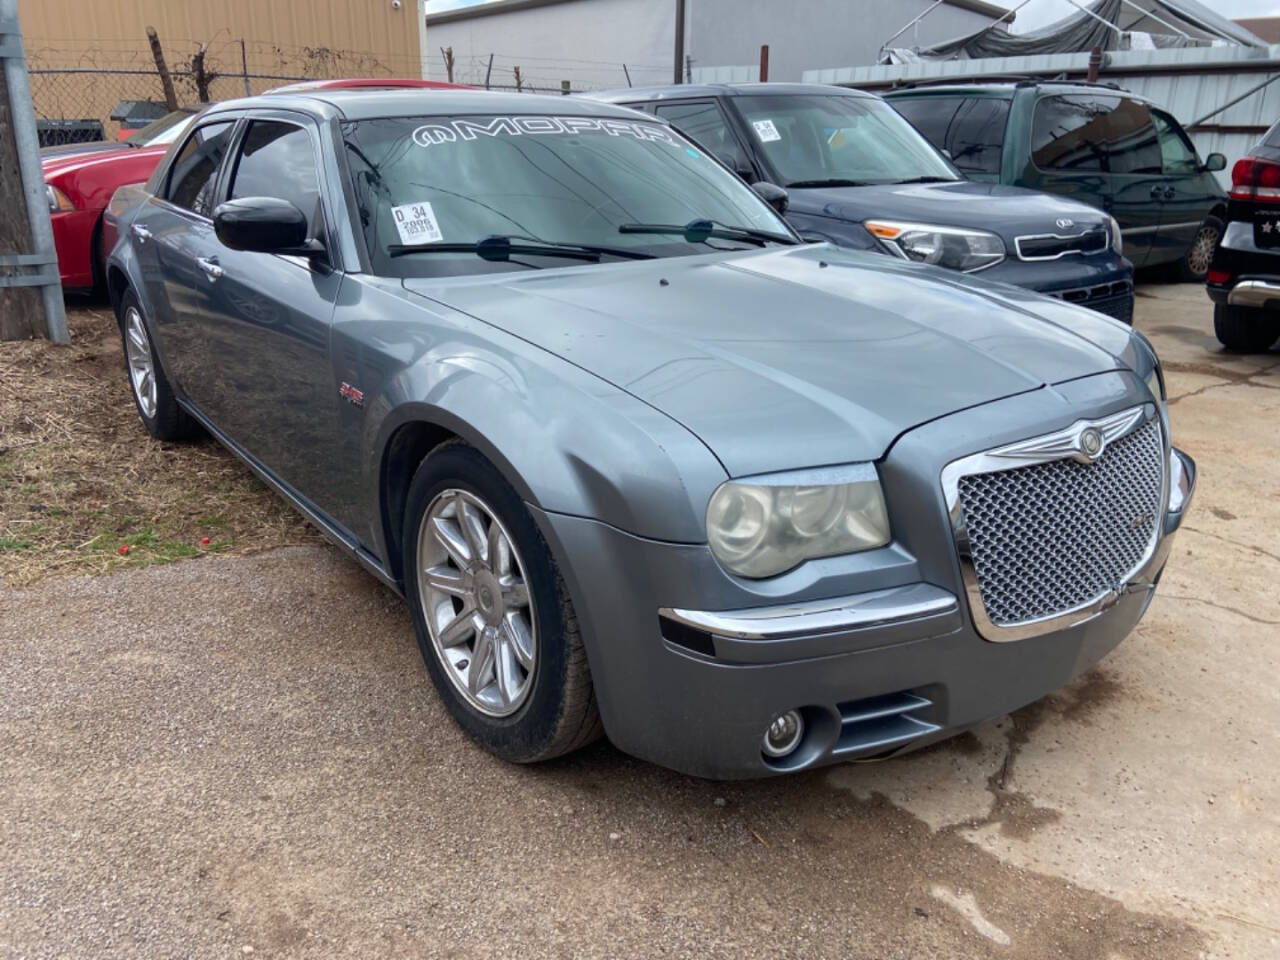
[(568, 441)]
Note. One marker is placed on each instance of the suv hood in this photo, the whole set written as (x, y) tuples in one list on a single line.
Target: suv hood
[(795, 357), (1007, 211)]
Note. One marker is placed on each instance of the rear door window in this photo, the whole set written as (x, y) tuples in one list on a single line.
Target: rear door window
[(704, 122), (1094, 133), (971, 129), (277, 160), (194, 175)]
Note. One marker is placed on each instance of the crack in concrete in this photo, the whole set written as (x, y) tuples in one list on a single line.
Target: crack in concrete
[(1222, 606), (1235, 543)]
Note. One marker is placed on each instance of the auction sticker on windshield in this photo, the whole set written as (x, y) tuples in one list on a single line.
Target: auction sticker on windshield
[(416, 223), (766, 131)]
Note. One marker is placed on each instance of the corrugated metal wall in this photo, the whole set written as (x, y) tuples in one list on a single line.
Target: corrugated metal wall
[(1189, 82)]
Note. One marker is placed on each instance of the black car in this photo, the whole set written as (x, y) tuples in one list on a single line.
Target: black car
[(1244, 277), (857, 174)]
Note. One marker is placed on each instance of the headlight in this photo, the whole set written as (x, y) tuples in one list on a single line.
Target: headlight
[(58, 201), (1117, 238), (768, 525), (955, 248)]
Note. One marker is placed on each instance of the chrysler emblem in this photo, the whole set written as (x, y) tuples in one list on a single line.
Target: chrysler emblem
[(1091, 442), (1065, 223)]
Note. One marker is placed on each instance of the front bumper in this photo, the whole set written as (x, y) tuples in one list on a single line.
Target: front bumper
[(885, 670), (1102, 282)]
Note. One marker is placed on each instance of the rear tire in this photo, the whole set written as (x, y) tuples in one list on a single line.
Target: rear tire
[(1245, 329), (152, 394), (1194, 265), (494, 621)]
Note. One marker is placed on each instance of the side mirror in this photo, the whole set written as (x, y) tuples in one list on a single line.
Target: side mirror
[(264, 225), (773, 195), (1215, 162)]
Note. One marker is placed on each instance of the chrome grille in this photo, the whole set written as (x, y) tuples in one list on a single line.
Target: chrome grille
[(1052, 536)]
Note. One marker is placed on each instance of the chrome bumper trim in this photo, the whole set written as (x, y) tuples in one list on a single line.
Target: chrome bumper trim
[(839, 615), (1253, 293)]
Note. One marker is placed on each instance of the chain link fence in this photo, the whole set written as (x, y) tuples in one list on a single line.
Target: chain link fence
[(100, 90)]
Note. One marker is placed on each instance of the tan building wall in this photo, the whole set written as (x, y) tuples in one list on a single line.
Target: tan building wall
[(106, 39)]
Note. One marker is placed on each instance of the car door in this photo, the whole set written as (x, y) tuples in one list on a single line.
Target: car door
[(704, 122), (271, 385), (1189, 192), (171, 234), (1135, 174)]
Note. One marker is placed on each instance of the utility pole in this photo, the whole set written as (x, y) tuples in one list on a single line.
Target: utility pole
[(679, 57), (30, 290)]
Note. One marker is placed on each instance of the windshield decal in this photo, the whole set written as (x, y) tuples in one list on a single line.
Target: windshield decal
[(416, 223), (766, 131), (451, 131)]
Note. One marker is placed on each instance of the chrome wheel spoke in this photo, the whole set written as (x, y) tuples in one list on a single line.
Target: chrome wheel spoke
[(481, 662), (459, 629), (447, 579), (520, 639), (498, 551), (507, 672), (472, 529), (450, 537), (515, 593)]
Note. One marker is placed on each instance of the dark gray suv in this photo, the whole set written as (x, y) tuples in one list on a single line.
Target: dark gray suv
[(857, 174)]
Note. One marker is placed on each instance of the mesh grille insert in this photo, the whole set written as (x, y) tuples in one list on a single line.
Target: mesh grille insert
[(1052, 536)]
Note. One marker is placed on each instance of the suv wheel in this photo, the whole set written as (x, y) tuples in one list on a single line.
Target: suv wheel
[(152, 394), (1245, 329), (1194, 266), (493, 618)]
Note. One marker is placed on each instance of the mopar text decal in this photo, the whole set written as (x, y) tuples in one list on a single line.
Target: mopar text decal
[(451, 131)]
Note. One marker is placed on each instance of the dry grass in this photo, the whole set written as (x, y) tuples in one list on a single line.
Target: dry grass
[(80, 477)]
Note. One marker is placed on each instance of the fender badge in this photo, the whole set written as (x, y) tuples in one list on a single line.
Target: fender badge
[(351, 395)]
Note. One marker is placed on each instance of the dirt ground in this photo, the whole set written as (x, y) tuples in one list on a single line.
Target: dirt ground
[(242, 755)]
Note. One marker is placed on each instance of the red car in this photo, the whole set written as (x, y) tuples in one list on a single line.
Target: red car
[(79, 181)]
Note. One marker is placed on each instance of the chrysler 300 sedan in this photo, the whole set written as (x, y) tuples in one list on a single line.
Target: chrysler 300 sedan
[(641, 461)]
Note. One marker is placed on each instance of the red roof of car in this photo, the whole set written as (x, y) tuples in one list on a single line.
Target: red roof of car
[(355, 83)]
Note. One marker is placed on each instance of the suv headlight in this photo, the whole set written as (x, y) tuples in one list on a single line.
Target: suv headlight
[(957, 248), (768, 525), (1117, 238)]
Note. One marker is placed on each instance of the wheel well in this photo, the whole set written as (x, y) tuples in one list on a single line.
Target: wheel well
[(117, 284), (1220, 211), (406, 449)]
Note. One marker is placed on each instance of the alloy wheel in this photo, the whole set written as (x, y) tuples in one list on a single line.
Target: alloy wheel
[(476, 603), (142, 366), (1201, 253)]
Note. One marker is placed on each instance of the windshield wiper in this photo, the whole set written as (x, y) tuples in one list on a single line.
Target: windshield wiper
[(497, 249), (832, 182), (927, 180), (701, 230)]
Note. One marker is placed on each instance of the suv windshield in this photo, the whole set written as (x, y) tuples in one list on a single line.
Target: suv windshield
[(828, 139), (426, 186)]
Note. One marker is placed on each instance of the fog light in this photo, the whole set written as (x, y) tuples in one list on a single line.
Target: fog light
[(783, 734)]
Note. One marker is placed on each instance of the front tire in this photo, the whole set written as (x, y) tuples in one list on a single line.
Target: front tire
[(152, 394), (1245, 329), (1194, 265), (494, 621)]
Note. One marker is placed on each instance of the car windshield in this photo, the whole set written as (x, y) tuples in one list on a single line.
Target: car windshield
[(834, 140), (425, 186), (165, 130)]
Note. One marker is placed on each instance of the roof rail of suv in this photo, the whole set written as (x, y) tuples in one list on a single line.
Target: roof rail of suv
[(1017, 79)]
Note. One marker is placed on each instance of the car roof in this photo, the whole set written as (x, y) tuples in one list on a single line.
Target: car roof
[(369, 104), (358, 83), (1003, 87), (674, 91)]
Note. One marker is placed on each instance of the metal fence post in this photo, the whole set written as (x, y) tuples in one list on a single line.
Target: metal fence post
[(44, 257)]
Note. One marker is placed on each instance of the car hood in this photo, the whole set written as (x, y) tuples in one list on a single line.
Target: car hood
[(80, 149), (1007, 211), (60, 163), (795, 357)]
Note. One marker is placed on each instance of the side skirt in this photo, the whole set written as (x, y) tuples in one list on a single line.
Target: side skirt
[(328, 529)]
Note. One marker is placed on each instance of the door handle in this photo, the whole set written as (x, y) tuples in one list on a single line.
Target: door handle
[(1170, 193), (210, 267), (141, 232), (1157, 191)]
